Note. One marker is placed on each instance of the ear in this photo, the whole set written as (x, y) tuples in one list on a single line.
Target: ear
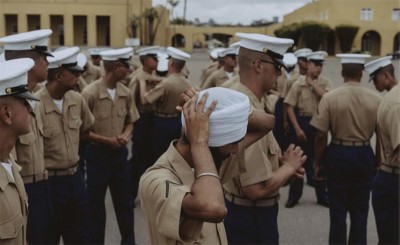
[(5, 114), (58, 76), (257, 66)]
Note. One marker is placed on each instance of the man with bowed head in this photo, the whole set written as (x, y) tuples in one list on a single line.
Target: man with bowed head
[(181, 193)]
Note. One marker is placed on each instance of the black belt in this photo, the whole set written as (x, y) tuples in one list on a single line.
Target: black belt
[(29, 179), (349, 142), (269, 201), (390, 169), (63, 172), (164, 115)]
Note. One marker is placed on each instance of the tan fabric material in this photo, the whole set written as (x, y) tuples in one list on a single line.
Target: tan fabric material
[(231, 82), (348, 112), (207, 72), (389, 126), (289, 82), (162, 189), (111, 115), (61, 131), (92, 73), (303, 97), (140, 75), (217, 78), (81, 84), (13, 203), (261, 158), (29, 147), (165, 95)]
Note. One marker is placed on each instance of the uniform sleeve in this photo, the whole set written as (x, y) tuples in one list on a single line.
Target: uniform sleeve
[(156, 93), (321, 119), (258, 167), (291, 98), (393, 118), (164, 197), (210, 82), (328, 85), (87, 96), (86, 116), (133, 114)]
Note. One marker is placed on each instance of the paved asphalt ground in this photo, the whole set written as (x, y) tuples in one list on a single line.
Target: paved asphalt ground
[(306, 223)]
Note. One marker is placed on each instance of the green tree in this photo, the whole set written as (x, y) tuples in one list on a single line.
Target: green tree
[(314, 33), (346, 35), (291, 31)]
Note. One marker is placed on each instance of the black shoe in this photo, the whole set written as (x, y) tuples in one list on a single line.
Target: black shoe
[(290, 204), (324, 203)]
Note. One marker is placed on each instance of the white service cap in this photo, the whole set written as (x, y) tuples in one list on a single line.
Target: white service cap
[(214, 53), (66, 58), (289, 59), (162, 61), (152, 50), (177, 54), (353, 58), (14, 78), (317, 56), (122, 54), (37, 40), (96, 51), (228, 51), (302, 53), (82, 60), (374, 66), (273, 46)]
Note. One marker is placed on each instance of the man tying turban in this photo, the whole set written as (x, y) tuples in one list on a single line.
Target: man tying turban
[(181, 194)]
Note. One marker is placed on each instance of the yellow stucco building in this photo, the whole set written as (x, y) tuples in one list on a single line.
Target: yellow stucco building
[(92, 23)]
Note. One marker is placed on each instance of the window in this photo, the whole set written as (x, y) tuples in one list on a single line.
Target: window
[(84, 35), (366, 14), (396, 14)]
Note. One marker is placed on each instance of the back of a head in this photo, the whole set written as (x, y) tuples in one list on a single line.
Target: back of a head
[(228, 121)]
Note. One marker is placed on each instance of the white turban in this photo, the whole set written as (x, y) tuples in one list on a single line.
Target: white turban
[(228, 121)]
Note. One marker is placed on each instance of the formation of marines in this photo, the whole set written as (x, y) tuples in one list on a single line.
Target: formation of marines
[(206, 162)]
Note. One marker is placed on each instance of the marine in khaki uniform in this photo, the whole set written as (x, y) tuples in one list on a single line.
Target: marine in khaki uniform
[(14, 121), (285, 80), (185, 178), (301, 104), (348, 113), (141, 136), (385, 186), (29, 147), (165, 98), (252, 196), (65, 116), (302, 61), (115, 111), (91, 73), (227, 71), (213, 66)]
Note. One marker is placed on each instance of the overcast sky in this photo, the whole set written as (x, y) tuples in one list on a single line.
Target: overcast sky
[(234, 11)]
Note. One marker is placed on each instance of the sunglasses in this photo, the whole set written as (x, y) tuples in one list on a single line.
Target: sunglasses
[(277, 66)]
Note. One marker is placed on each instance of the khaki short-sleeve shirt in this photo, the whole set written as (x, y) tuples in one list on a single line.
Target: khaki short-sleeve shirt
[(231, 82), (389, 126), (348, 112), (61, 130), (29, 147), (134, 86), (208, 71), (13, 207), (261, 158), (217, 78), (162, 189), (303, 97), (111, 115), (289, 82), (92, 73), (166, 94)]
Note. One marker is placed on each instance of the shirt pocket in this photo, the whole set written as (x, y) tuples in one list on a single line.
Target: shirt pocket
[(27, 139), (12, 227), (74, 124), (102, 115), (122, 112)]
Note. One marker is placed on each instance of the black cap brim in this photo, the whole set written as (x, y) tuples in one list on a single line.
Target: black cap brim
[(27, 96)]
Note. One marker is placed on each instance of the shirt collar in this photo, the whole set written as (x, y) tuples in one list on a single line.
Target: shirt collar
[(180, 165)]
